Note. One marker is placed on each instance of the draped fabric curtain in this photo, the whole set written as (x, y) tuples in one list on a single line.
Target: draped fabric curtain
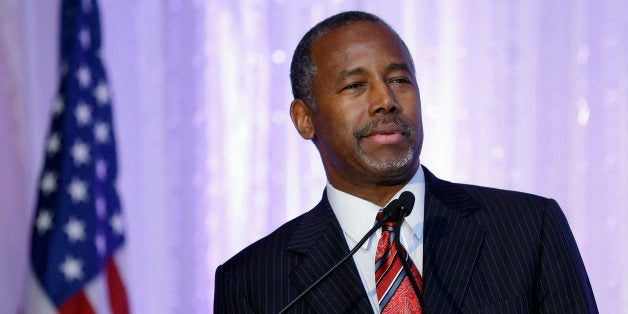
[(523, 95)]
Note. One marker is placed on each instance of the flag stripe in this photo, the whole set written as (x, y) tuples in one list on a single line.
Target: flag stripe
[(117, 293), (98, 295), (77, 304)]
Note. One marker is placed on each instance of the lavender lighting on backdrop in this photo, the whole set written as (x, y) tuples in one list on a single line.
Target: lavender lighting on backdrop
[(525, 95)]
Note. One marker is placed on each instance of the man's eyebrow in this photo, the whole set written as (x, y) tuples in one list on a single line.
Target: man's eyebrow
[(350, 72), (359, 70), (398, 66)]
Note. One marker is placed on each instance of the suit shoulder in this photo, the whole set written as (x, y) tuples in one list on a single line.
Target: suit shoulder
[(515, 204), (473, 195), (274, 242), (490, 193), (242, 281)]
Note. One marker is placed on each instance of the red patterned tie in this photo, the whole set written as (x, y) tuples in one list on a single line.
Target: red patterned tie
[(394, 290)]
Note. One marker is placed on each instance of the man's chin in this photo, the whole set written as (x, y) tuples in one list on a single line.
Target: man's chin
[(391, 165)]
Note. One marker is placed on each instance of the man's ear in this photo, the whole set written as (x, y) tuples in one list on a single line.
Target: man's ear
[(301, 115)]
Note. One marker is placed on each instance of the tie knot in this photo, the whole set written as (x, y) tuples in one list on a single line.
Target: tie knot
[(390, 225)]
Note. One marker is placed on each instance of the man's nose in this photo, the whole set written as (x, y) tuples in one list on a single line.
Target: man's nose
[(382, 99)]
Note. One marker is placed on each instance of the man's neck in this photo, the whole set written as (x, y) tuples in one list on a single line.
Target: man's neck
[(378, 193)]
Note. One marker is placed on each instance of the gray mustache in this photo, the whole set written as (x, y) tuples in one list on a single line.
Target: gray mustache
[(361, 132)]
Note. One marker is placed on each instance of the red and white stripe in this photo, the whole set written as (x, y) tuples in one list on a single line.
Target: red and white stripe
[(104, 294)]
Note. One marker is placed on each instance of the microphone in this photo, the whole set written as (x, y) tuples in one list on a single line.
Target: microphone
[(403, 209), (406, 204), (396, 211)]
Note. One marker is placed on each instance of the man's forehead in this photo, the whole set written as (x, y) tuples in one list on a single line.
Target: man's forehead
[(357, 29), (347, 38), (351, 49)]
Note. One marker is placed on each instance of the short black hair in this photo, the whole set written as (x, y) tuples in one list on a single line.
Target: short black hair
[(303, 69)]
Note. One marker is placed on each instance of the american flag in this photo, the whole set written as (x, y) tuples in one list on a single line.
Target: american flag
[(78, 231)]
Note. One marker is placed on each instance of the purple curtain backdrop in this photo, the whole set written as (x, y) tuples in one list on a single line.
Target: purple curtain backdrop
[(523, 95)]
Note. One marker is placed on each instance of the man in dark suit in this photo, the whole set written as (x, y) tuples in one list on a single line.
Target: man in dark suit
[(479, 250)]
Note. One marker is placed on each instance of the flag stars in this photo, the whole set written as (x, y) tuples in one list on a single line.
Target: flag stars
[(80, 153), (49, 182), (43, 222), (54, 144), (84, 76), (75, 230), (101, 169), (83, 114), (78, 191), (101, 244), (101, 93), (72, 268), (101, 132), (117, 224), (85, 38), (101, 207)]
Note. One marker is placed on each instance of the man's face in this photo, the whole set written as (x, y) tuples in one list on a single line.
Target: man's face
[(367, 122)]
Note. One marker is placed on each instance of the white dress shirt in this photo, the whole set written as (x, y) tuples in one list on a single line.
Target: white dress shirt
[(357, 216)]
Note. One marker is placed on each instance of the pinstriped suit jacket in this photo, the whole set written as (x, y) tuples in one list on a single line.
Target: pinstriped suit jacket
[(485, 251)]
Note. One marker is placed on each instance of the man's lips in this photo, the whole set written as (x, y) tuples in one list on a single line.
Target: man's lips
[(386, 134), (386, 138), (388, 130)]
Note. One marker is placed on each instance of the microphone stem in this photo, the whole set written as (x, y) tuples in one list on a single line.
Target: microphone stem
[(342, 261), (406, 266)]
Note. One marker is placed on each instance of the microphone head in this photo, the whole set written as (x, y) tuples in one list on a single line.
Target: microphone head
[(392, 210), (406, 200), (401, 207)]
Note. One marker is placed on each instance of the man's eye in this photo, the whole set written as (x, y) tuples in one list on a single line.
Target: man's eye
[(353, 86), (400, 80)]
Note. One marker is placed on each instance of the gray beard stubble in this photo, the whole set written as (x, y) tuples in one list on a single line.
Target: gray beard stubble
[(396, 163)]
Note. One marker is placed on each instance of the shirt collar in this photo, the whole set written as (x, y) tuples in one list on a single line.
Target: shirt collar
[(357, 216)]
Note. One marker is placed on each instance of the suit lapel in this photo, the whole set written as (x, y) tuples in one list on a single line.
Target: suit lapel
[(321, 244), (453, 240)]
